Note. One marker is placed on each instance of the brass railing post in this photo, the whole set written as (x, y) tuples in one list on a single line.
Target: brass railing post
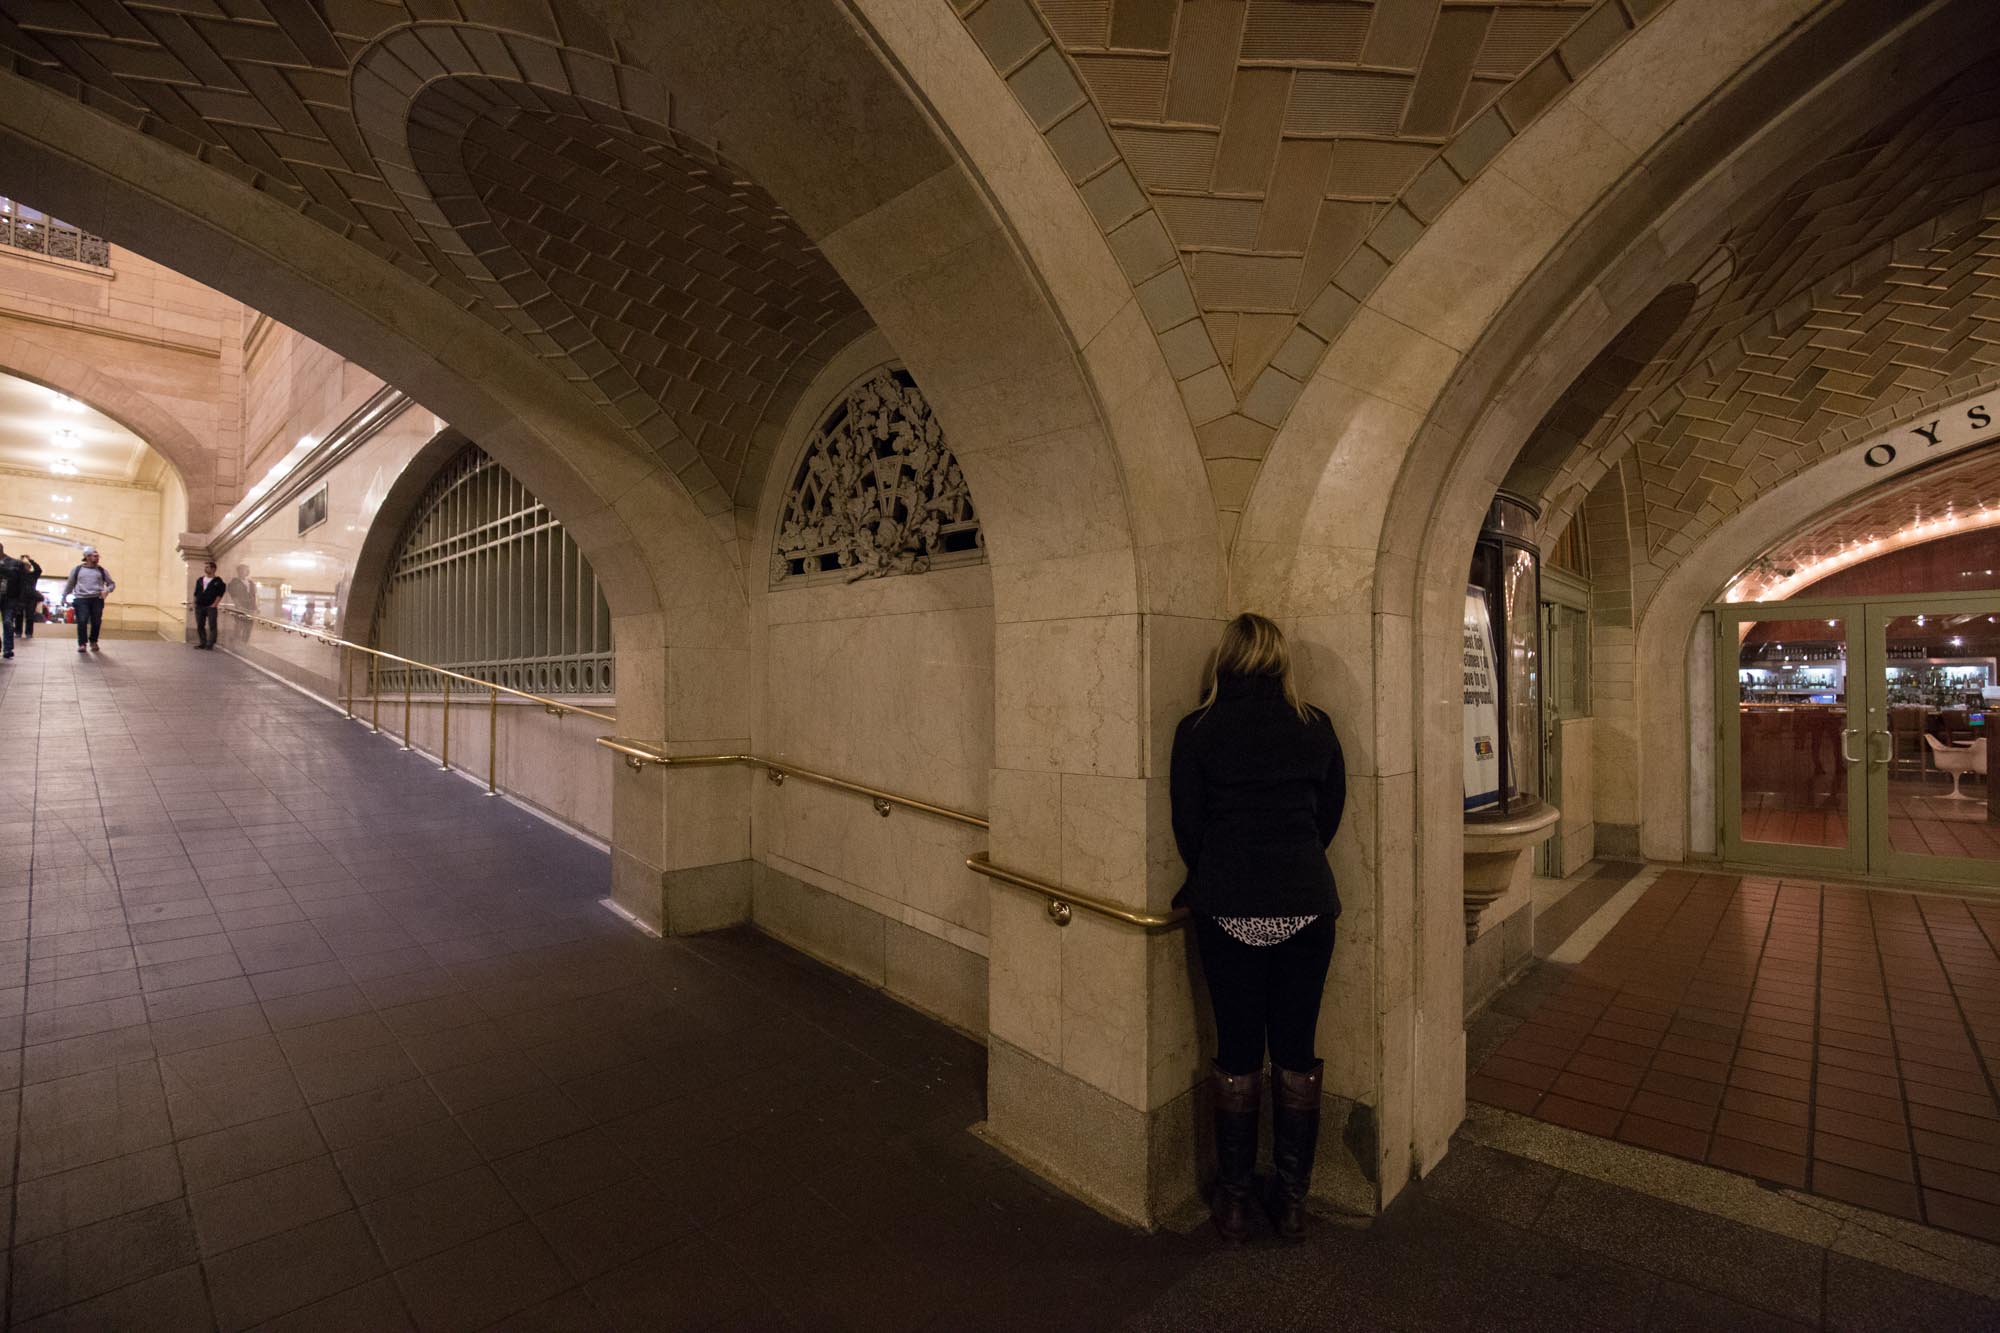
[(347, 679), (375, 695), (409, 684), (492, 741), (444, 749)]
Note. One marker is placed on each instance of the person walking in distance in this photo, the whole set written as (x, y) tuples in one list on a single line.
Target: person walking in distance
[(86, 589), (208, 591), (13, 585), (1257, 786), (25, 598)]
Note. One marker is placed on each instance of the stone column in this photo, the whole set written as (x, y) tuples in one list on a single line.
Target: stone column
[(1093, 1051), (681, 836)]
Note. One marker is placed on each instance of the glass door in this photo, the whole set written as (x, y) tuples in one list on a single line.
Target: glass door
[(1933, 700), (1792, 792)]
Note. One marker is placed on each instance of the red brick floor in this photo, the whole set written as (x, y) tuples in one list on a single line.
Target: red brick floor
[(1836, 1040)]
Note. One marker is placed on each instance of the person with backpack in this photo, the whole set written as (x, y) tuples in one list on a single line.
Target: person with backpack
[(13, 579), (88, 584), (21, 605)]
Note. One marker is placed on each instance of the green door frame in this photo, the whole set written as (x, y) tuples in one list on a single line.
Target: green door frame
[(1850, 859), (1562, 594), (1882, 858), (1866, 726)]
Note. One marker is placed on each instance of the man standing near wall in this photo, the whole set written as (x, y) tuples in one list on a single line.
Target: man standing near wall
[(88, 583), (208, 590)]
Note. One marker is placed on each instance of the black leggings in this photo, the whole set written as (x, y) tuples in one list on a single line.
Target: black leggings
[(1262, 991)]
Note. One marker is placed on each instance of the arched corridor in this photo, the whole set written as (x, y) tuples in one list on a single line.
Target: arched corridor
[(810, 450)]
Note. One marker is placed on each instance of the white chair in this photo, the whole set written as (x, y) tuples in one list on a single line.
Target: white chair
[(1958, 761)]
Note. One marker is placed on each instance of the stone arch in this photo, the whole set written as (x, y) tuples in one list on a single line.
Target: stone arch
[(1578, 222), (433, 106), (1670, 618), (129, 407), (252, 247)]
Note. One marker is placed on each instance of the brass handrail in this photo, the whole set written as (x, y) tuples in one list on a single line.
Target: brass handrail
[(638, 754), (555, 705), (1061, 900)]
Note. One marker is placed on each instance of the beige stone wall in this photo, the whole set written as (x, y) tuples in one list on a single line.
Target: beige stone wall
[(320, 562), (886, 682), (1577, 799), (292, 387), (156, 351)]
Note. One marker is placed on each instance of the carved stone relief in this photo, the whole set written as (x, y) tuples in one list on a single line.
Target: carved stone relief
[(876, 492)]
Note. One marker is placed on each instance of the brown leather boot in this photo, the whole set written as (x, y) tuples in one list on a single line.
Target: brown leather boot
[(1235, 1152), (1294, 1139)]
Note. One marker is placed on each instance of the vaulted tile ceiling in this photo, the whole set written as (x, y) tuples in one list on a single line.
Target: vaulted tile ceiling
[(1868, 283), (539, 184)]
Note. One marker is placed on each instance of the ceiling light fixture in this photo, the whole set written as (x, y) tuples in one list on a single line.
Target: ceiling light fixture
[(62, 467)]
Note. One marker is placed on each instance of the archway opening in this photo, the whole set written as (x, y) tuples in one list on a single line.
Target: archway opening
[(72, 478)]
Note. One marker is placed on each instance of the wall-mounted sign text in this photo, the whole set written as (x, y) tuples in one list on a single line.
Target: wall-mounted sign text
[(1939, 432), (312, 511)]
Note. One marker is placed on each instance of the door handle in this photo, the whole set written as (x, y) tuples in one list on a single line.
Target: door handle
[(1846, 750), (1889, 751)]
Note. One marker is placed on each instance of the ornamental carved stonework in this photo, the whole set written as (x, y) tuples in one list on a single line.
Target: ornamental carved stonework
[(877, 492)]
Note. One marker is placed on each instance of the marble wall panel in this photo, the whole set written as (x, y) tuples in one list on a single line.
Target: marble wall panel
[(1067, 696), (1106, 1002), (887, 682)]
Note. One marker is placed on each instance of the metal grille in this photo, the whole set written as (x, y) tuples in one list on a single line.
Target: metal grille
[(486, 582), (24, 228), (876, 492)]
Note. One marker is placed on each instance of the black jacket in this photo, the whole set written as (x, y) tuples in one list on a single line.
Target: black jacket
[(1256, 799), (208, 591)]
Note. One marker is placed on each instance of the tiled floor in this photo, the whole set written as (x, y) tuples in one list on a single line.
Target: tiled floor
[(297, 1024), (1830, 1039), (302, 1033)]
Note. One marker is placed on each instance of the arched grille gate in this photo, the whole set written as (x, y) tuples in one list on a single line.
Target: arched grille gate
[(485, 581)]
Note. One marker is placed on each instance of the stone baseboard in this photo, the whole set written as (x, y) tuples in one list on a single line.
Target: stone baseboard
[(1498, 954), (1618, 842), (921, 970), (681, 902), (1136, 1167)]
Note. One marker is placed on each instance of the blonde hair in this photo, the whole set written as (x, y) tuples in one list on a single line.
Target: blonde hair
[(1253, 645)]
